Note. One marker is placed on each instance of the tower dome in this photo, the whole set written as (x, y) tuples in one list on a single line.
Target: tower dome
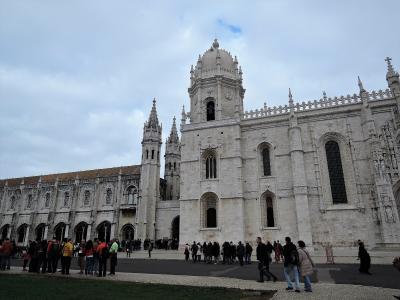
[(216, 60)]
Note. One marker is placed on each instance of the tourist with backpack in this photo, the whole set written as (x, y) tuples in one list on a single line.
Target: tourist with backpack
[(113, 256), (290, 264), (103, 253), (67, 250)]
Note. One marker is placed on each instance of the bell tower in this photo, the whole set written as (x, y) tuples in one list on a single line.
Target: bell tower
[(172, 163), (216, 90), (149, 176)]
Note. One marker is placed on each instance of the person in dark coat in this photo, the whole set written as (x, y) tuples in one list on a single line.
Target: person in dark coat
[(248, 250), (291, 264), (365, 259), (263, 262), (226, 252), (240, 251)]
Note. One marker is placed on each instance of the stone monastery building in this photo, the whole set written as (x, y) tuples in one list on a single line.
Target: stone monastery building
[(324, 171)]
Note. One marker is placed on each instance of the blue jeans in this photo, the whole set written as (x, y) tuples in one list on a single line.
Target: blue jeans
[(307, 282), (95, 264), (89, 265), (292, 269)]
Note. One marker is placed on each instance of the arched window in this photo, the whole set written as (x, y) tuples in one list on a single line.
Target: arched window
[(29, 201), (86, 200), (210, 111), (174, 166), (268, 210), (266, 162), (169, 166), (210, 165), (209, 210), (338, 187), (132, 195), (47, 200), (147, 154), (66, 198), (108, 196), (21, 233), (12, 202)]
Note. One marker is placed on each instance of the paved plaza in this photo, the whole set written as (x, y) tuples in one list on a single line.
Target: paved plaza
[(339, 281)]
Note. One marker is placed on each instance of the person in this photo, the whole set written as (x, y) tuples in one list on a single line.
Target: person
[(102, 251), (67, 250), (248, 250), (96, 258), (33, 252), (240, 250), (89, 257), (216, 252), (25, 257), (194, 249), (278, 251), (53, 254), (113, 256), (7, 249), (199, 252), (128, 248), (186, 252), (263, 261), (290, 264), (43, 255), (226, 252), (150, 248), (306, 265), (365, 259), (81, 256)]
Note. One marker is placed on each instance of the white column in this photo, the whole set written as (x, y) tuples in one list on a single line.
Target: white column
[(66, 231), (9, 231), (26, 237), (112, 231), (46, 231), (88, 231)]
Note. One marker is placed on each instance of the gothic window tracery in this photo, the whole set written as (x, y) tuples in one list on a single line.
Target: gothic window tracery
[(108, 196), (29, 201), (335, 169), (210, 166), (132, 195), (86, 200), (47, 200), (12, 202), (66, 198), (266, 162)]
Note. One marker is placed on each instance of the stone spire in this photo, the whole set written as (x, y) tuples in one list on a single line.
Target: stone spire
[(173, 136), (390, 72), (393, 79), (153, 119), (291, 104), (360, 85)]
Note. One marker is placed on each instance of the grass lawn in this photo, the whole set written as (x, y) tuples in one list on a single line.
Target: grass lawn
[(59, 288)]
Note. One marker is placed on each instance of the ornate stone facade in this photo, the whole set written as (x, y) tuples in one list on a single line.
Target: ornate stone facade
[(324, 171), (321, 171)]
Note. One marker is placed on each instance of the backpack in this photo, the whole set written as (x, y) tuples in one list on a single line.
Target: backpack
[(105, 252), (55, 249), (294, 257)]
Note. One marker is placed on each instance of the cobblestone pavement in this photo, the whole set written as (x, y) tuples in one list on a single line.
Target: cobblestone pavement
[(320, 290)]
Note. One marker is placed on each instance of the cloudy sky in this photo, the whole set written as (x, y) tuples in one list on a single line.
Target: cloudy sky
[(77, 78)]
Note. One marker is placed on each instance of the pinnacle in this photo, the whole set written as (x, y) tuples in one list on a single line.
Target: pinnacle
[(153, 119)]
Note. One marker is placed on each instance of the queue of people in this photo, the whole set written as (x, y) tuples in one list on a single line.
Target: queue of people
[(44, 256)]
